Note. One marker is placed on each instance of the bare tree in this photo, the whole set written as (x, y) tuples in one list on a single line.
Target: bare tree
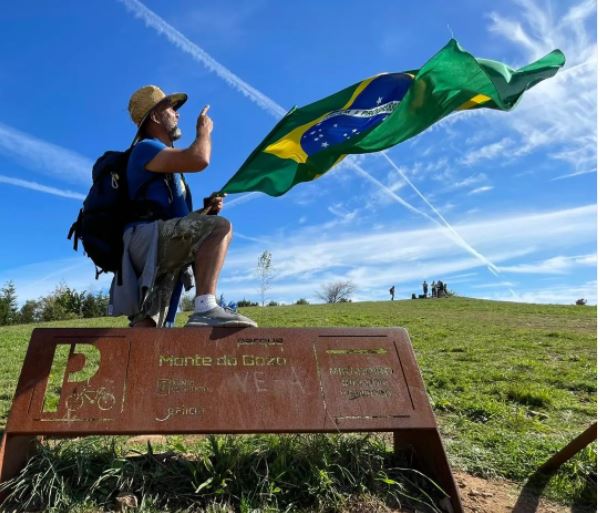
[(336, 291), (265, 273)]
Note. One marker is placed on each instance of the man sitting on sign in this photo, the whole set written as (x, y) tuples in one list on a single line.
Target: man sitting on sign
[(159, 248)]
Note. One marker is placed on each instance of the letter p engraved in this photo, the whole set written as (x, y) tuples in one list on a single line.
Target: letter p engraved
[(72, 391)]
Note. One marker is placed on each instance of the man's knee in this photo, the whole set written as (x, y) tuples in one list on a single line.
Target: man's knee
[(222, 228)]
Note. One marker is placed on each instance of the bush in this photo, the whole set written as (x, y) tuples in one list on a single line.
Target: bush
[(272, 303), (30, 312), (94, 305), (62, 303), (302, 301), (66, 303), (244, 302)]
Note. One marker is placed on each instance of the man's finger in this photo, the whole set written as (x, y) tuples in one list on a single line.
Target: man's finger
[(205, 110)]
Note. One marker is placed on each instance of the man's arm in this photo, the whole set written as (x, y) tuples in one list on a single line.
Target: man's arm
[(192, 159)]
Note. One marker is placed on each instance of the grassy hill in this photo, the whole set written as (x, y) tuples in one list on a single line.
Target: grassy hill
[(510, 383)]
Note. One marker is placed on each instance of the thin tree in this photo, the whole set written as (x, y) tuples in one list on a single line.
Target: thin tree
[(336, 291), (265, 273), (9, 310)]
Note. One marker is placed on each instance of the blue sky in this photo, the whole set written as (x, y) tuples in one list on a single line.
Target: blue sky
[(515, 192)]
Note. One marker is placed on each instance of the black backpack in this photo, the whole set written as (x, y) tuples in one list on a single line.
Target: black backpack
[(107, 209), (105, 212)]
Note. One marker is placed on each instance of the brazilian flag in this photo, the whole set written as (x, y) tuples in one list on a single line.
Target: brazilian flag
[(380, 112)]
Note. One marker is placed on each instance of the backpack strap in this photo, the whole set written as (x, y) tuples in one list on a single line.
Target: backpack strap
[(74, 230), (188, 194)]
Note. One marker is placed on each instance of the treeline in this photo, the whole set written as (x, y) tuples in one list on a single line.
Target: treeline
[(63, 303)]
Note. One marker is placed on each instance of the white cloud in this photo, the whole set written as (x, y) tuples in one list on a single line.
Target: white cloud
[(560, 112), (554, 265), (314, 255), (341, 213), (487, 152), (564, 294), (479, 190), (504, 284), (470, 180)]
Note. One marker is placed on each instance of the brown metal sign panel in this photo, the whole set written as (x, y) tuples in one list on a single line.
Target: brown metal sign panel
[(220, 381), (193, 381)]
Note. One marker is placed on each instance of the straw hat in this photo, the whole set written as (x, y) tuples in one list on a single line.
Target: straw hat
[(145, 99)]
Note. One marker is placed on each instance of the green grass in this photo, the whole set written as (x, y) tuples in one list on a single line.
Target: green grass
[(510, 383), (259, 473)]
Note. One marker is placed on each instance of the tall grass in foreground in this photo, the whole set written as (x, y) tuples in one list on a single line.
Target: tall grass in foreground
[(221, 473)]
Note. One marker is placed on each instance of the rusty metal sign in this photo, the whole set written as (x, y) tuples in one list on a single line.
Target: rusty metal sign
[(78, 382)]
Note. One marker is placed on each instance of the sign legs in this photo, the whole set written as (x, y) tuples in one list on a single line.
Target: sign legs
[(425, 447), (14, 453)]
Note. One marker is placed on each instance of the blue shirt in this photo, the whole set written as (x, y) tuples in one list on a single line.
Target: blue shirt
[(173, 201)]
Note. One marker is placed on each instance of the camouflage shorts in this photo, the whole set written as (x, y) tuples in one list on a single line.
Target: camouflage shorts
[(178, 242)]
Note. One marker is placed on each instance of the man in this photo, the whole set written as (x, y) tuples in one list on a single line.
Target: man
[(425, 288), (166, 236), (393, 291)]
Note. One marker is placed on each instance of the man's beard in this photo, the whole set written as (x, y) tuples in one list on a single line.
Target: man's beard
[(175, 133)]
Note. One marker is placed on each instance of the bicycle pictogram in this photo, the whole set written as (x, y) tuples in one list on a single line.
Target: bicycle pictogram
[(101, 397)]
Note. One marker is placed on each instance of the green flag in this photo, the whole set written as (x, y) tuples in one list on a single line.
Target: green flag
[(380, 112)]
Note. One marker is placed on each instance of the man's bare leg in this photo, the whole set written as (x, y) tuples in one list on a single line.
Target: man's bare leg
[(209, 262), (211, 257)]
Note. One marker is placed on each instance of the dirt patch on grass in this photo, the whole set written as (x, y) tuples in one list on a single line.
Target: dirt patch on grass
[(501, 496), (480, 495)]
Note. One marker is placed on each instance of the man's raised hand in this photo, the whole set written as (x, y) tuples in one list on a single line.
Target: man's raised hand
[(204, 125)]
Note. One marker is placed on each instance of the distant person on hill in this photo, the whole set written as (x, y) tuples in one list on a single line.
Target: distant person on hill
[(433, 289), (440, 288), (445, 288), (393, 291), (425, 287), (167, 235)]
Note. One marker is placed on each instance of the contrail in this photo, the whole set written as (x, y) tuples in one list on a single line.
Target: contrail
[(41, 155), (570, 175), (242, 199), (354, 165), (151, 19), (452, 233), (41, 188), (462, 242)]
